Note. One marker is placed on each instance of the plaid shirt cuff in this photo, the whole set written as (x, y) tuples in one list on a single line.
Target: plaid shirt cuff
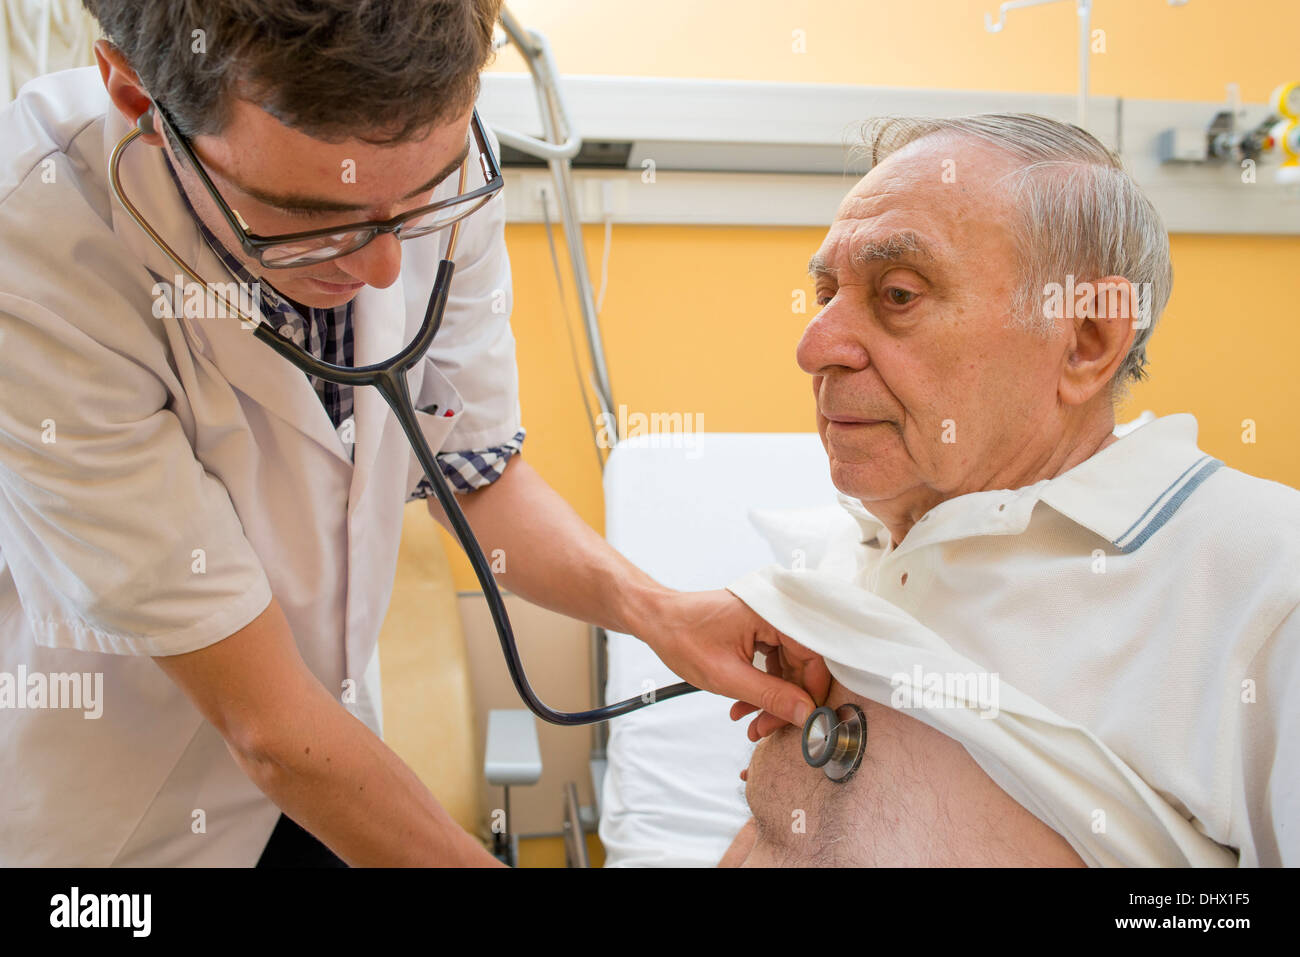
[(467, 471)]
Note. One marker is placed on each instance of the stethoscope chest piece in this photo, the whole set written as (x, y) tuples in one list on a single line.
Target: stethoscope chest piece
[(835, 741)]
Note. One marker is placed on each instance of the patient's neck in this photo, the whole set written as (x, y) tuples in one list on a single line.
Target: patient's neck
[(900, 515)]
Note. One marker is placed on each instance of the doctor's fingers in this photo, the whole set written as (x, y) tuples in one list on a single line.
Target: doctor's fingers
[(775, 663), (767, 692), (795, 663), (772, 661), (805, 668), (765, 724), (807, 672)]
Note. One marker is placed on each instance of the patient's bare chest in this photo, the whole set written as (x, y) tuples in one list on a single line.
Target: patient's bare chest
[(918, 799)]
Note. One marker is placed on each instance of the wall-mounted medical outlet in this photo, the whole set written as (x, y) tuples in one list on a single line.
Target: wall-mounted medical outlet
[(604, 196), (1183, 145), (1220, 142)]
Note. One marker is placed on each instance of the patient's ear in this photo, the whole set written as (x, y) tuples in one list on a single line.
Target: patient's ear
[(1106, 319)]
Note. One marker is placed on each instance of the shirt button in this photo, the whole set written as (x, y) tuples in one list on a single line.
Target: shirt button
[(903, 580), (1002, 507)]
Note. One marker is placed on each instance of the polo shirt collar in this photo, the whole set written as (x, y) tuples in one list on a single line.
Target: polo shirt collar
[(1124, 493)]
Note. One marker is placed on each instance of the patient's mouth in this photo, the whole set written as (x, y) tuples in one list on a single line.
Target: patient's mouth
[(851, 422), (845, 418)]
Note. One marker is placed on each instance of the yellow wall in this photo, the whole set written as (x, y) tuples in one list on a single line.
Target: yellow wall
[(699, 320), (1151, 50)]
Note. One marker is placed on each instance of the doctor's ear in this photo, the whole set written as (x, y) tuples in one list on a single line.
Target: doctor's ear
[(148, 125), (126, 92)]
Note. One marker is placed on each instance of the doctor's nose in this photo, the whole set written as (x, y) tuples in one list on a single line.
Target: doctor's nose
[(376, 264), (832, 340)]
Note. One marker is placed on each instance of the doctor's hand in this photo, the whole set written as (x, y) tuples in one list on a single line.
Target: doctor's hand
[(710, 639)]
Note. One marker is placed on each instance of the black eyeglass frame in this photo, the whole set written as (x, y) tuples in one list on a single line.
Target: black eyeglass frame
[(255, 245)]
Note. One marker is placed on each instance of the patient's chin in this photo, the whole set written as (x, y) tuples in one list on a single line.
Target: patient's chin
[(867, 481)]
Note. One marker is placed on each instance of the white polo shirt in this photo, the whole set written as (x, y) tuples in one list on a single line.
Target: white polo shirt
[(1148, 594)]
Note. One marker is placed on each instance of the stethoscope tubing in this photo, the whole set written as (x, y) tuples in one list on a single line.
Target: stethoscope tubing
[(390, 379)]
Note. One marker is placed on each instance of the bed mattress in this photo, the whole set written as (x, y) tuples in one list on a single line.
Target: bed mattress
[(672, 794)]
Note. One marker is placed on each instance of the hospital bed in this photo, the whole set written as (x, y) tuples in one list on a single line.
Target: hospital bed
[(671, 794), (666, 778)]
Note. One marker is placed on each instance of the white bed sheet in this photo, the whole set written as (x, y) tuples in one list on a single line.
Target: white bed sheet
[(672, 794)]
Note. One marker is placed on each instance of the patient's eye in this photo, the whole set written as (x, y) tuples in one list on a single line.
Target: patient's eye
[(898, 296)]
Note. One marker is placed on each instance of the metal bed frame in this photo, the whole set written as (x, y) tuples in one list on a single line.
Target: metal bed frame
[(560, 143)]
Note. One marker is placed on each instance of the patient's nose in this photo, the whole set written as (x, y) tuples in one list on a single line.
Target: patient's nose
[(831, 340)]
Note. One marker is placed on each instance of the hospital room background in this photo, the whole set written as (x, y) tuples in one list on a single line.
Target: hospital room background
[(700, 278)]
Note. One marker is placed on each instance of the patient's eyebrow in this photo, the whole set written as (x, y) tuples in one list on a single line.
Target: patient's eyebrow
[(901, 246), (818, 266)]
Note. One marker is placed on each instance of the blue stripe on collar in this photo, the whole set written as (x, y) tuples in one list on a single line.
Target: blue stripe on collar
[(1199, 471)]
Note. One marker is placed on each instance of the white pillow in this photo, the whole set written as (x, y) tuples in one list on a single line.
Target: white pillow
[(802, 537), (1124, 428)]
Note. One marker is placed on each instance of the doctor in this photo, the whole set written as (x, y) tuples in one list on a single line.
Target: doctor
[(196, 528)]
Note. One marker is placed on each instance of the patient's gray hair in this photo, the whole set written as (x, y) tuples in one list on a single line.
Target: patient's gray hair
[(1081, 213)]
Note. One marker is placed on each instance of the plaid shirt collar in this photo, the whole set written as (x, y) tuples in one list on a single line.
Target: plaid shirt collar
[(327, 334)]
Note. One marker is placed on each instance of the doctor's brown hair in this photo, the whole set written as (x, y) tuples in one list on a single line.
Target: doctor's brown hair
[(383, 71)]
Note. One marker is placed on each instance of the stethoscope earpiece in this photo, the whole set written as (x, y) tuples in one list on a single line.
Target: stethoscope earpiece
[(145, 123), (835, 741)]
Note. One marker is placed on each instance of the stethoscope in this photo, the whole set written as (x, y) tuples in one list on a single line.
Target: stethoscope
[(389, 378), (835, 741)]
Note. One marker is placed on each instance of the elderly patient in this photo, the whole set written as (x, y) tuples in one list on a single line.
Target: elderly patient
[(987, 291)]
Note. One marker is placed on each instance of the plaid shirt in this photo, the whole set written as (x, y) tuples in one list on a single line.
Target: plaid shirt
[(327, 335)]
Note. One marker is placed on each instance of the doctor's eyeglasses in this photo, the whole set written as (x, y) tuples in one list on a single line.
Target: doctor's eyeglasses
[(310, 247)]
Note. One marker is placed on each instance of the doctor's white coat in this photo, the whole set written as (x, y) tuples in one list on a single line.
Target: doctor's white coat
[(162, 478)]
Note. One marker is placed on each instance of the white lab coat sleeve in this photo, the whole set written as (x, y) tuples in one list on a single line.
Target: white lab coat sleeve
[(119, 541), (475, 347)]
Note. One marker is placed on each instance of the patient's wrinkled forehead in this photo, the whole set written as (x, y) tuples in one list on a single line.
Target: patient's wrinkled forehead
[(946, 195), (952, 178)]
